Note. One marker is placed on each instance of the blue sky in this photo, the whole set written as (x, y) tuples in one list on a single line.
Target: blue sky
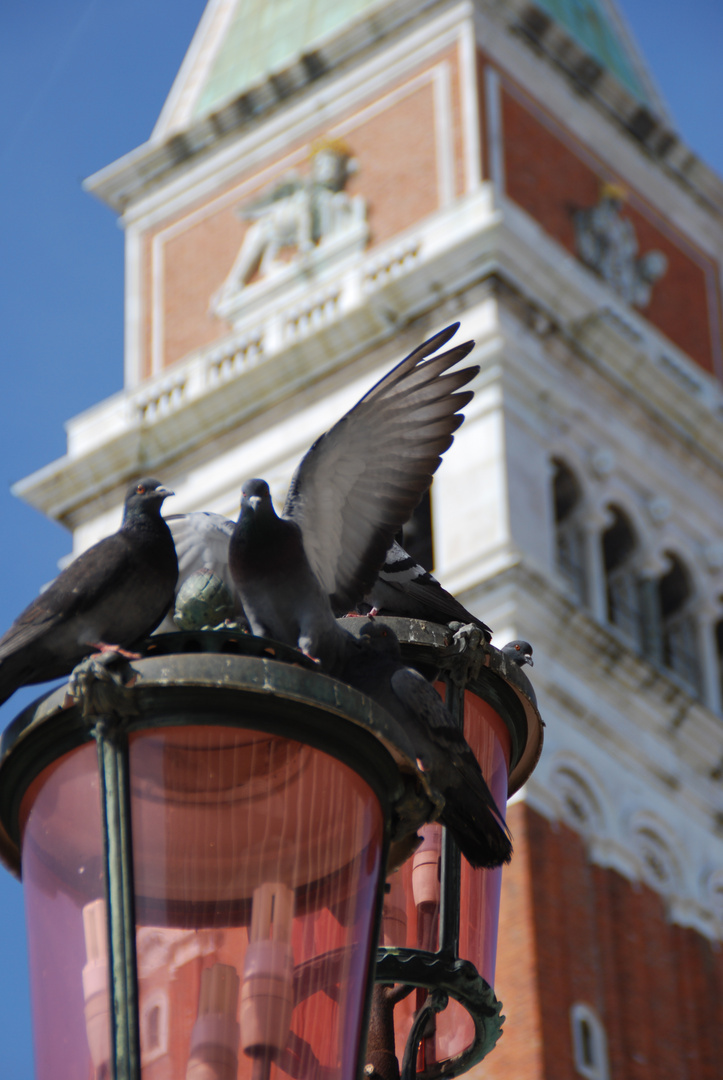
[(81, 84)]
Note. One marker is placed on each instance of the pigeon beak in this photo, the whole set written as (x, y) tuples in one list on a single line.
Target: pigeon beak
[(528, 660), (163, 491), (253, 501)]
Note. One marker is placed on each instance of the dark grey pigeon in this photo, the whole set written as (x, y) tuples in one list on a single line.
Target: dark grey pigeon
[(520, 652), (405, 588), (110, 597), (352, 491), (374, 666), (281, 594)]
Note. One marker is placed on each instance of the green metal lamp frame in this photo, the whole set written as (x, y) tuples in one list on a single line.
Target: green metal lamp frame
[(208, 678)]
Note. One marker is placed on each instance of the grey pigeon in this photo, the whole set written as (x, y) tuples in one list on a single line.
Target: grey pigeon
[(112, 595), (405, 588), (282, 596), (520, 652), (374, 666), (352, 491), (202, 541)]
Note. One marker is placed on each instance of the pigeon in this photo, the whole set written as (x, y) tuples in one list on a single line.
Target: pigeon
[(374, 666), (282, 597), (110, 597), (202, 540), (405, 588), (520, 652), (349, 496)]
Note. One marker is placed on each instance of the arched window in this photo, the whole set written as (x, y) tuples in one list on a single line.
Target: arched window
[(621, 578), (569, 535), (154, 1026), (678, 636), (589, 1043)]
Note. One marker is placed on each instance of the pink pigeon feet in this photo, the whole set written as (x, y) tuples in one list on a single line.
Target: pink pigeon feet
[(102, 647)]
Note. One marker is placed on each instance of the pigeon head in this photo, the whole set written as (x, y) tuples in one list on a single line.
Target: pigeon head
[(380, 638), (520, 652), (256, 498), (145, 495)]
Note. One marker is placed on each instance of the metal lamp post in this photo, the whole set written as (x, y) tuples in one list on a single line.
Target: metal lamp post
[(204, 851)]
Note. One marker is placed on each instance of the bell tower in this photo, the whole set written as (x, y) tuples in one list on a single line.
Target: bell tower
[(327, 185)]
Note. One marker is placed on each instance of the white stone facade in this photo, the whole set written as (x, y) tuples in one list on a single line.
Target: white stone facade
[(569, 374)]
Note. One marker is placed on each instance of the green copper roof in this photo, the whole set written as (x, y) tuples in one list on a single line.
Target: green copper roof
[(264, 35), (590, 24)]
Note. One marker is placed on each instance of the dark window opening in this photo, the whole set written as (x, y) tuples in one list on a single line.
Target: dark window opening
[(623, 593), (569, 535), (587, 1053), (153, 1028), (678, 629), (589, 1044)]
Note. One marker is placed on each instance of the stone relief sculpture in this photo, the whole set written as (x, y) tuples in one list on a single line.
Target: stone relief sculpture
[(296, 224), (606, 242)]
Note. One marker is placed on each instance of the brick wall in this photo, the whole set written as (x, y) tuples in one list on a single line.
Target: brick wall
[(392, 135), (573, 932), (550, 175)]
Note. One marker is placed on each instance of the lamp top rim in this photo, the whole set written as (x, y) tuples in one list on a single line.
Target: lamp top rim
[(214, 688), (227, 663)]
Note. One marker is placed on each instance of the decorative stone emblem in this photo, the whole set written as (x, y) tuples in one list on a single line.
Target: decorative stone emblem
[(606, 242), (297, 226)]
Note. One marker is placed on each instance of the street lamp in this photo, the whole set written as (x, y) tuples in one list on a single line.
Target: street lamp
[(204, 851)]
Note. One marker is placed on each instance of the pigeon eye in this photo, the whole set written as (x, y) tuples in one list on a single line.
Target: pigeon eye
[(141, 490)]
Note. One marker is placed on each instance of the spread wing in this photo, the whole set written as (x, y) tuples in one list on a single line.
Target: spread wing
[(202, 541), (360, 481)]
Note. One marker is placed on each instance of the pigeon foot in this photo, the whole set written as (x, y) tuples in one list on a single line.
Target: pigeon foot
[(315, 659), (103, 647), (469, 644), (98, 683)]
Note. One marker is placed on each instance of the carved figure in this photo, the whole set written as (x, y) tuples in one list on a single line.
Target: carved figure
[(606, 242), (299, 213)]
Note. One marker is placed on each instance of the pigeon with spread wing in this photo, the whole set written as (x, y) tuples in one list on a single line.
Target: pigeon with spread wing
[(349, 496)]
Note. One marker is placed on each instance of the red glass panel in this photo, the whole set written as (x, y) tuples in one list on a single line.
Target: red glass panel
[(256, 863), (63, 877), (411, 907)]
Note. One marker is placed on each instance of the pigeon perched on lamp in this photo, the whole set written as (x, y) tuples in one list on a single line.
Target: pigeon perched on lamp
[(520, 652), (349, 496), (404, 588), (109, 598), (374, 666)]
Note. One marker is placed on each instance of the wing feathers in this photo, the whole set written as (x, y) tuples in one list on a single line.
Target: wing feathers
[(361, 480)]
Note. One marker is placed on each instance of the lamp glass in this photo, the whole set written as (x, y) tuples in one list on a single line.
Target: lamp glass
[(256, 868), (64, 886), (412, 904)]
